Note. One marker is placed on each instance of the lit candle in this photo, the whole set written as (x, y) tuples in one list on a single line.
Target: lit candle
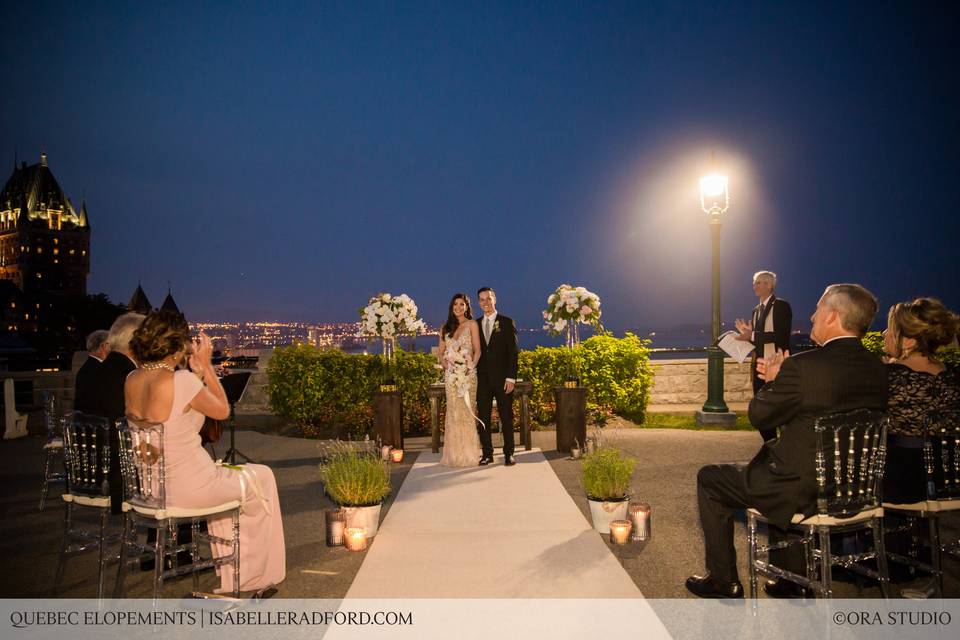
[(385, 452), (397, 455), (620, 531), (356, 539)]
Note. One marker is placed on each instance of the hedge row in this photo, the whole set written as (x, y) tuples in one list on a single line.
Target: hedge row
[(328, 393)]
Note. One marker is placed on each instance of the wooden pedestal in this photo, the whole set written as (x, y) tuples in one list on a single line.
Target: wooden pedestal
[(571, 417), (388, 418)]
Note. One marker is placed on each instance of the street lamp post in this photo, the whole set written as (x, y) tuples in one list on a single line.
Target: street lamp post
[(715, 200)]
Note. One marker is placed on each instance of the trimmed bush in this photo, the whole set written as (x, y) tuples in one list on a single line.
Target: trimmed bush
[(328, 392), (616, 372)]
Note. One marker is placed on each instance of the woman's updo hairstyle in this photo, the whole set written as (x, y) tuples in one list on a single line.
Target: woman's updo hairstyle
[(927, 321), (161, 334)]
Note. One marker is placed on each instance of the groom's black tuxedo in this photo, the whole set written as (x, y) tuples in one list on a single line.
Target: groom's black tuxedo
[(498, 361)]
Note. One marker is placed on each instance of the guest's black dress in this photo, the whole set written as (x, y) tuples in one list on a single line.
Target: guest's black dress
[(913, 396)]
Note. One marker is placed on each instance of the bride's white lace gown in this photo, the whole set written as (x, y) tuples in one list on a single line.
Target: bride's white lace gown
[(461, 444)]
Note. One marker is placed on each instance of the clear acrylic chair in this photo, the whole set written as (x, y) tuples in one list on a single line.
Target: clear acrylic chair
[(941, 456), (143, 467), (87, 455), (851, 449), (52, 446)]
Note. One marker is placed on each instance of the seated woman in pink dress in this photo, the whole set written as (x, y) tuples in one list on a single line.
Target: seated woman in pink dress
[(157, 392)]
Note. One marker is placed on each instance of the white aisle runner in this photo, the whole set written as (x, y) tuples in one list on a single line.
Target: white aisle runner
[(496, 533)]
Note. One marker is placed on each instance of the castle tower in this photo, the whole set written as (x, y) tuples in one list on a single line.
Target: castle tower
[(44, 240)]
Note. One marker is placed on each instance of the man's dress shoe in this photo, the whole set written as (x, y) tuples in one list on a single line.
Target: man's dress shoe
[(709, 587), (508, 461), (484, 461), (781, 588)]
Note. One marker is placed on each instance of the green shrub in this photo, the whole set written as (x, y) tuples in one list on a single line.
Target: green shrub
[(616, 372), (328, 392), (355, 478), (873, 341), (606, 474)]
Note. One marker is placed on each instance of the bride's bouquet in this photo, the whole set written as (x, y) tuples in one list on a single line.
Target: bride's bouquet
[(459, 366), (571, 305), (387, 317)]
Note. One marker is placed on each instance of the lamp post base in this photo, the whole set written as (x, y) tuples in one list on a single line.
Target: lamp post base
[(716, 418)]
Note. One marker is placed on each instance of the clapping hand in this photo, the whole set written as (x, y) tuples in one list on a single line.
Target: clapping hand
[(768, 368), (745, 329), (202, 351)]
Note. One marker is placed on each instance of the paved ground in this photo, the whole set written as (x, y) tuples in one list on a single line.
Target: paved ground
[(665, 478), (488, 532)]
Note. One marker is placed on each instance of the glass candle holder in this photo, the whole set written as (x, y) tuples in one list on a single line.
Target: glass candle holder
[(355, 538), (335, 524), (620, 531), (575, 453), (397, 455), (639, 515), (385, 452)]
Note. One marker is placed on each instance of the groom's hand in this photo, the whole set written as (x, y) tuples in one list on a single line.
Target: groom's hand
[(508, 386)]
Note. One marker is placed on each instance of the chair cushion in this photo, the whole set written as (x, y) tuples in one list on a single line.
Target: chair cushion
[(926, 505), (181, 512), (87, 501), (799, 518)]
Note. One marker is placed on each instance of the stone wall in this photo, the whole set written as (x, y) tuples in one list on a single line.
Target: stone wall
[(255, 400), (685, 381)]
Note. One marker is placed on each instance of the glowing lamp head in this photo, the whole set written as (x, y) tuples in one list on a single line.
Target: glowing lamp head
[(714, 196)]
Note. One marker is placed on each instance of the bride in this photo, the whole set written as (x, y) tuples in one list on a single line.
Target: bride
[(459, 351)]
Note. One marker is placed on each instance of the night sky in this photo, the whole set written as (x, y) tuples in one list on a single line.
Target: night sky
[(287, 162)]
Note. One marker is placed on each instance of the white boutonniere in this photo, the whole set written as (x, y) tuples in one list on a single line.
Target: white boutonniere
[(496, 326)]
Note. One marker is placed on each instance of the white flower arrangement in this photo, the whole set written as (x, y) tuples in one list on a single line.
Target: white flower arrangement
[(387, 317), (571, 306)]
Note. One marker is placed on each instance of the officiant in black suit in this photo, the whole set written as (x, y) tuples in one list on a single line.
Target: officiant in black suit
[(781, 479), (85, 384), (768, 330), (496, 375)]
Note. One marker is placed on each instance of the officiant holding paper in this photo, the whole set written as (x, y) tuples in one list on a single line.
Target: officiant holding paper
[(768, 330)]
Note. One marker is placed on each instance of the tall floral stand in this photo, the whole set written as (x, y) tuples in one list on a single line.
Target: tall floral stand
[(571, 416), (388, 418), (388, 405)]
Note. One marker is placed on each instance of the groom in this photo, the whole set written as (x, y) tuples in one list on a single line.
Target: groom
[(496, 375)]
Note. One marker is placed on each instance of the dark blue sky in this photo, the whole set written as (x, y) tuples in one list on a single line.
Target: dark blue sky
[(288, 162)]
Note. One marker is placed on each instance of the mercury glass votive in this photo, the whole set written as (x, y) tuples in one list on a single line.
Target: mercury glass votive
[(335, 524), (385, 452), (639, 515), (620, 531), (397, 455), (355, 538)]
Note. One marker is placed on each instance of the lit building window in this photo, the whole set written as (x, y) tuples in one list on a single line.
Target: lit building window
[(56, 241), (39, 249), (71, 252), (56, 251)]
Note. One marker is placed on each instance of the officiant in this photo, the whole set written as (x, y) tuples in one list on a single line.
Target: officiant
[(768, 329)]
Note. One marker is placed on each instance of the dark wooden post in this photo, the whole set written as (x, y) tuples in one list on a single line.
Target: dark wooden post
[(524, 388), (435, 391), (388, 417), (571, 417)]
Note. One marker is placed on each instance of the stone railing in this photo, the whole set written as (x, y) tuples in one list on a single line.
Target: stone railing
[(685, 381)]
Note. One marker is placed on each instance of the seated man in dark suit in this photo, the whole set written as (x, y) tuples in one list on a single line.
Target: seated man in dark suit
[(108, 397), (780, 480), (85, 390)]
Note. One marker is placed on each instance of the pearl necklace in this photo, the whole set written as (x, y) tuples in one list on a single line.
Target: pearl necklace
[(154, 366)]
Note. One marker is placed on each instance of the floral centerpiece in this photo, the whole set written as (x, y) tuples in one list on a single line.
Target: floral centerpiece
[(387, 317), (567, 308)]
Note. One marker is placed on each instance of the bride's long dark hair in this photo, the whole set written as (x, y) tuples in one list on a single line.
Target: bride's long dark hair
[(452, 323)]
